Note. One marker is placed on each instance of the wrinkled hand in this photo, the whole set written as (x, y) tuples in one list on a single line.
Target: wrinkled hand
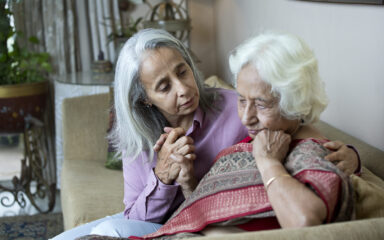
[(186, 177), (159, 143), (174, 153), (271, 146), (343, 157)]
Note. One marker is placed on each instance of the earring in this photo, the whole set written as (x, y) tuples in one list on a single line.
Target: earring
[(147, 103)]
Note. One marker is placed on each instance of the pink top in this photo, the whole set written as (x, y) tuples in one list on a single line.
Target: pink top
[(148, 199)]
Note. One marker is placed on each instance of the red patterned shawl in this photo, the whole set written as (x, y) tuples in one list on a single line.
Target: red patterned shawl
[(232, 192)]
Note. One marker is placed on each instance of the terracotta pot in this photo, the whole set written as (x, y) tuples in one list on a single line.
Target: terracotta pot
[(20, 101)]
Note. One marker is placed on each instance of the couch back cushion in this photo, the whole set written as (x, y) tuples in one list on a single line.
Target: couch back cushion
[(85, 123)]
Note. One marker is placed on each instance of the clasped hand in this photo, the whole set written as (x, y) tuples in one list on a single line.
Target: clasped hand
[(175, 156), (270, 147)]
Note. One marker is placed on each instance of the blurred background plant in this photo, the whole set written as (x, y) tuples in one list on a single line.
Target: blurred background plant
[(125, 31), (17, 63)]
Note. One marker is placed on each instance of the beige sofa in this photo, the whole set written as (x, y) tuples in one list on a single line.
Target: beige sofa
[(90, 191)]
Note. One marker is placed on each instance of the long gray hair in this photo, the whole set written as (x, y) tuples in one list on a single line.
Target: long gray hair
[(137, 126)]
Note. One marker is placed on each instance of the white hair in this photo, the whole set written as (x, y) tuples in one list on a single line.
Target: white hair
[(286, 63), (138, 126)]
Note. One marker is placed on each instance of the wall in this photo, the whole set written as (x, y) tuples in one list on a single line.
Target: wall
[(203, 37), (348, 40)]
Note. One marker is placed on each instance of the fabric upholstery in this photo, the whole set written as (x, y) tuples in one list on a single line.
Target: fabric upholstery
[(89, 191), (369, 229), (369, 197)]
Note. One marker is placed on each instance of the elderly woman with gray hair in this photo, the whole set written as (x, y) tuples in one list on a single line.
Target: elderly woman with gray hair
[(169, 128)]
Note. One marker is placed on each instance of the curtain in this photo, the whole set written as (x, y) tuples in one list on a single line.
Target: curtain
[(73, 32)]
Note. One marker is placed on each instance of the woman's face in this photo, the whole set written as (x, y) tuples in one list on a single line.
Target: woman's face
[(169, 83), (258, 109)]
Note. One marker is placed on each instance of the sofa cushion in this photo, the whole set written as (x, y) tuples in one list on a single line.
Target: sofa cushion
[(369, 229), (89, 192)]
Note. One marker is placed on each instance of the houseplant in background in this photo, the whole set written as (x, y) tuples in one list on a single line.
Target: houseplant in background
[(124, 32), (126, 26), (23, 96), (23, 77)]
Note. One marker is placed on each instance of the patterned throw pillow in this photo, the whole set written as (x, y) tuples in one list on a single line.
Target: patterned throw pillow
[(113, 160)]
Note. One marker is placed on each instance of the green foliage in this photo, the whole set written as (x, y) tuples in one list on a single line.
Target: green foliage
[(18, 64), (125, 31)]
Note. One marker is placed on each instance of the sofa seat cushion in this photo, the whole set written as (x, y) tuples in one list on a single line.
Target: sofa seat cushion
[(89, 191)]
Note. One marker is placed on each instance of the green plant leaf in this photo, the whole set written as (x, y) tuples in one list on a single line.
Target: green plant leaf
[(34, 40)]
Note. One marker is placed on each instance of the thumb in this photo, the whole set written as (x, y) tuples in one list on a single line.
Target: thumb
[(168, 129)]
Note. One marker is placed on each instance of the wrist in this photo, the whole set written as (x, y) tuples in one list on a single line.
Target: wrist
[(358, 168), (162, 176), (272, 171), (272, 179), (189, 185), (268, 163)]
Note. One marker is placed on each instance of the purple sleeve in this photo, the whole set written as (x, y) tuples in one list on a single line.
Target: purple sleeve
[(358, 169), (145, 197)]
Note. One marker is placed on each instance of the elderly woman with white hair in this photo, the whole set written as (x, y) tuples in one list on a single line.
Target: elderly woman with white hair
[(278, 176), (161, 101)]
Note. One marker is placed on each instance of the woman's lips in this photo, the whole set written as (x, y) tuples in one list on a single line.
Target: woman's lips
[(254, 132), (187, 104)]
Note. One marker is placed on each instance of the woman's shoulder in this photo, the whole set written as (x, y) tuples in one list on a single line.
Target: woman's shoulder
[(308, 147), (319, 141), (239, 147), (227, 93), (226, 99)]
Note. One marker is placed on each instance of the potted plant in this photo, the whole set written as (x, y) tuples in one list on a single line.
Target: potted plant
[(125, 32), (23, 78)]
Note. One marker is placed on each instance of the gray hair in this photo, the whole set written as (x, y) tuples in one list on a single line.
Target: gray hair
[(137, 126), (286, 63)]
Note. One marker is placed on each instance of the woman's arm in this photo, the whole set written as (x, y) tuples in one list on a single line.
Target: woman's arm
[(146, 198), (295, 204)]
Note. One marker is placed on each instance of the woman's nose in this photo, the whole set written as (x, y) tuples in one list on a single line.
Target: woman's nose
[(182, 88), (249, 115)]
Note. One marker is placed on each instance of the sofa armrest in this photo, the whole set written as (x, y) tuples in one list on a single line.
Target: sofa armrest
[(363, 229), (371, 157), (85, 123)]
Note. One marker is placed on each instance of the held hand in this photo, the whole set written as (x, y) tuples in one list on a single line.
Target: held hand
[(186, 177), (271, 145), (343, 157), (159, 143), (167, 169)]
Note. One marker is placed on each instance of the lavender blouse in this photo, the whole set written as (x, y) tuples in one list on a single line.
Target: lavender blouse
[(145, 197)]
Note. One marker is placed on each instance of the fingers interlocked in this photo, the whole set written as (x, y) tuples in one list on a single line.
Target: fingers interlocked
[(175, 155)]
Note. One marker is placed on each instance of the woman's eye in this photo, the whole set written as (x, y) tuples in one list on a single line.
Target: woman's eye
[(182, 73), (260, 106), (164, 87), (242, 101)]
